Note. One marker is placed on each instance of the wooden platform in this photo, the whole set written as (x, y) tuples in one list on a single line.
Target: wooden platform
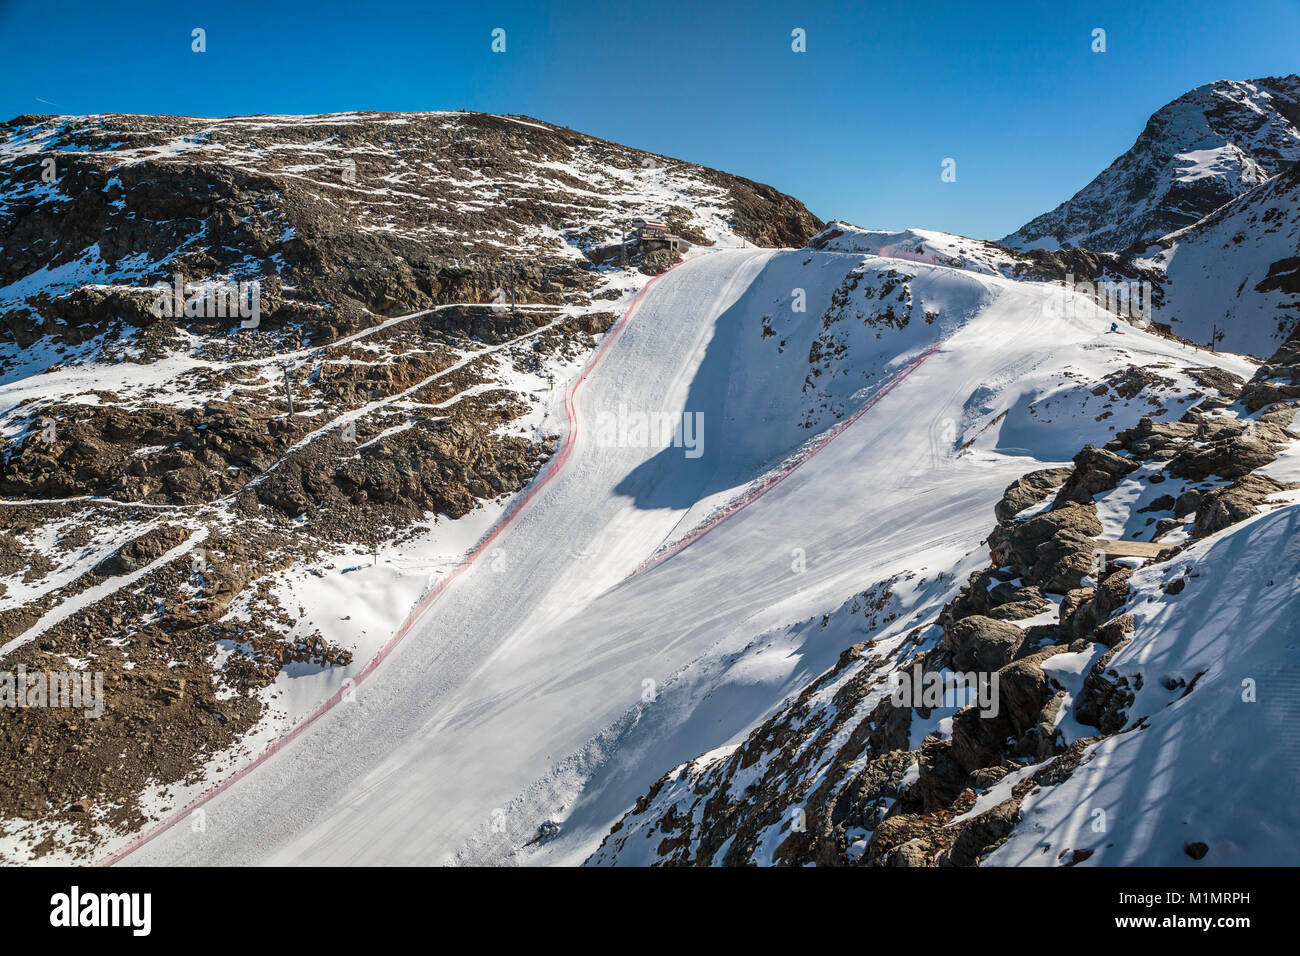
[(1129, 549)]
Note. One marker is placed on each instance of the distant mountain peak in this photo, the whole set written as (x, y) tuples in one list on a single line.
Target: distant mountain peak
[(1204, 149)]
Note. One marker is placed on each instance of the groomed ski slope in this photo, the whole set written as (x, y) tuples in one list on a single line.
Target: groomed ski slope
[(543, 685)]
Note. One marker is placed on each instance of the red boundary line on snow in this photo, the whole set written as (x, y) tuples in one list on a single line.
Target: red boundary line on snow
[(783, 472), (551, 469)]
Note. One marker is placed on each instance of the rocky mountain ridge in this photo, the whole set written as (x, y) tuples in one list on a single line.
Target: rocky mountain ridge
[(1204, 149)]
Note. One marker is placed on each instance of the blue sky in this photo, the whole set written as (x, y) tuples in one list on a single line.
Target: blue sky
[(857, 127)]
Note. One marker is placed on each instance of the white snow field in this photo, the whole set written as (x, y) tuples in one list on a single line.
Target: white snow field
[(546, 684)]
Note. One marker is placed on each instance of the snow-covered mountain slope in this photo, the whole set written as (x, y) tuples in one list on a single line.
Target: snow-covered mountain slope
[(530, 703), (1139, 716), (1202, 150), (922, 245), (1231, 276), (172, 473), (1077, 266), (1237, 271), (569, 545)]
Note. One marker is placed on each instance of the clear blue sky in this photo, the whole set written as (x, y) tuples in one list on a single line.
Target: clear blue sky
[(856, 127)]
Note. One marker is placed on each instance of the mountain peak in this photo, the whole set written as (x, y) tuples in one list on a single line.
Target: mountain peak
[(1196, 153)]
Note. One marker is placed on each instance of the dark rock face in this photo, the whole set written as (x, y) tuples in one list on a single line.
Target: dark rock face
[(983, 833), (767, 217), (1086, 610), (209, 451), (1106, 696), (1146, 194), (1084, 265)]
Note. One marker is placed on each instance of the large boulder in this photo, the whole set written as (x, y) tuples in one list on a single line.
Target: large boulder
[(1017, 543), (1086, 609), (979, 643), (1149, 436), (1062, 562), (982, 834), (1024, 690), (1028, 490), (1095, 470), (1232, 450), (1276, 380)]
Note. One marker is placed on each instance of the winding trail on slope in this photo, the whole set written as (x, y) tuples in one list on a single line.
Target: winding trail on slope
[(550, 470), (376, 784), (527, 658), (449, 728)]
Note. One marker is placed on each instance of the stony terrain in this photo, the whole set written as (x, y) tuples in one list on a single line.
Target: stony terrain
[(341, 217)]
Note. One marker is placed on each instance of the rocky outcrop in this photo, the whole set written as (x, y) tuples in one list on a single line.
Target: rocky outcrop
[(1096, 470), (1054, 548), (979, 643), (1224, 507), (1228, 449), (1029, 490), (1277, 380)]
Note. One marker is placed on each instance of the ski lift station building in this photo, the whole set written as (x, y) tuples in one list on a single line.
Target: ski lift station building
[(655, 235)]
